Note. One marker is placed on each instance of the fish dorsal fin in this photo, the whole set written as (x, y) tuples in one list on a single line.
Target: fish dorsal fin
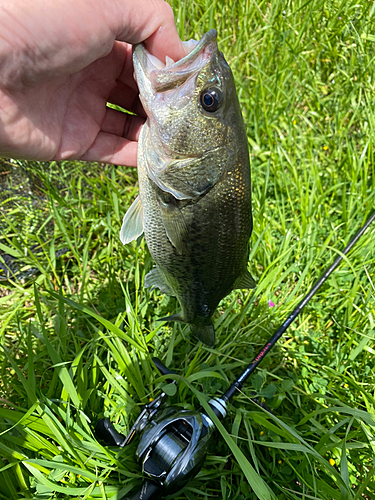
[(245, 281), (132, 224), (174, 223), (155, 279)]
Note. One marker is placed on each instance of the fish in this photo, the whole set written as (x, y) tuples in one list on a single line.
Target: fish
[(194, 202)]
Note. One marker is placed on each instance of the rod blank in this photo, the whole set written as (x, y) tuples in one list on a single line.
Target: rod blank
[(237, 384)]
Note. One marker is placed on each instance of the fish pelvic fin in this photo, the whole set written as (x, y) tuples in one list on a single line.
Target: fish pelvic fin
[(245, 281), (132, 224), (204, 332)]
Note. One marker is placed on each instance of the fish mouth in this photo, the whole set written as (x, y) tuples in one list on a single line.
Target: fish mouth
[(163, 76)]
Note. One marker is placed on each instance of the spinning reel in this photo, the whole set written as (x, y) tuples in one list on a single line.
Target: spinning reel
[(173, 442)]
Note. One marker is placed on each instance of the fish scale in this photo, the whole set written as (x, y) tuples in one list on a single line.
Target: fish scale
[(194, 203)]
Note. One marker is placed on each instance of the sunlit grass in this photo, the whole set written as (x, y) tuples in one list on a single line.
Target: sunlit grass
[(78, 334)]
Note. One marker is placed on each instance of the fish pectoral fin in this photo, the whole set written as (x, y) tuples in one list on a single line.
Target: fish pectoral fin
[(174, 224), (193, 177), (154, 279), (245, 281), (205, 333), (132, 224), (186, 178)]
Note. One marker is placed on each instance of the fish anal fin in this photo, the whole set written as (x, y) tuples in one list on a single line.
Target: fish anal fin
[(132, 224), (245, 281), (155, 279)]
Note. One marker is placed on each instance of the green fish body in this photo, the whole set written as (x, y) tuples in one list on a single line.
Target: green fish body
[(194, 204)]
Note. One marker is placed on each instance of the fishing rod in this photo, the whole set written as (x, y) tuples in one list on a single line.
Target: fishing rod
[(174, 442)]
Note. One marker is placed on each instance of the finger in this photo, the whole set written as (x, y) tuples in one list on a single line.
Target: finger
[(109, 148), (121, 124), (123, 52), (151, 22), (165, 40), (126, 97)]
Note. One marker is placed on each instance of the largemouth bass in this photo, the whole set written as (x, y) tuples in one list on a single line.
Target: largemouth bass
[(194, 204)]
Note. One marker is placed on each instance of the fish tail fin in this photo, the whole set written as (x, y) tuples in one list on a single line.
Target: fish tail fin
[(205, 333)]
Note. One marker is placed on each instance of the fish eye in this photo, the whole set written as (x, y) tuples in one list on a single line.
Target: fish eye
[(211, 99)]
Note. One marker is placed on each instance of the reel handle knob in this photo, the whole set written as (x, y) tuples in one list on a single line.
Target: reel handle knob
[(162, 369), (105, 431)]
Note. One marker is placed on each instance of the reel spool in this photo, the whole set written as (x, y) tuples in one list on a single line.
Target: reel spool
[(173, 448)]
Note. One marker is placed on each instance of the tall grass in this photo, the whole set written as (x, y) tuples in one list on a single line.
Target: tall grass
[(78, 335)]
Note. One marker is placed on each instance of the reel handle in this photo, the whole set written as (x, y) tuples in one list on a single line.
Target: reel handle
[(105, 431), (162, 369)]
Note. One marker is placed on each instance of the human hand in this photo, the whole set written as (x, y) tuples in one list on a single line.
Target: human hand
[(62, 61)]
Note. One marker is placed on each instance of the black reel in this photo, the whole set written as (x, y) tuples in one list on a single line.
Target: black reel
[(173, 443)]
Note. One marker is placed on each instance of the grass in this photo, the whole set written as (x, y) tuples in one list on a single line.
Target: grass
[(78, 334)]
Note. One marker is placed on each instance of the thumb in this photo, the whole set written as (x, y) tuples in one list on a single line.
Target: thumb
[(151, 22)]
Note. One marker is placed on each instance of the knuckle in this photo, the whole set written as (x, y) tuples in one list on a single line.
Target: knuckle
[(167, 11)]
